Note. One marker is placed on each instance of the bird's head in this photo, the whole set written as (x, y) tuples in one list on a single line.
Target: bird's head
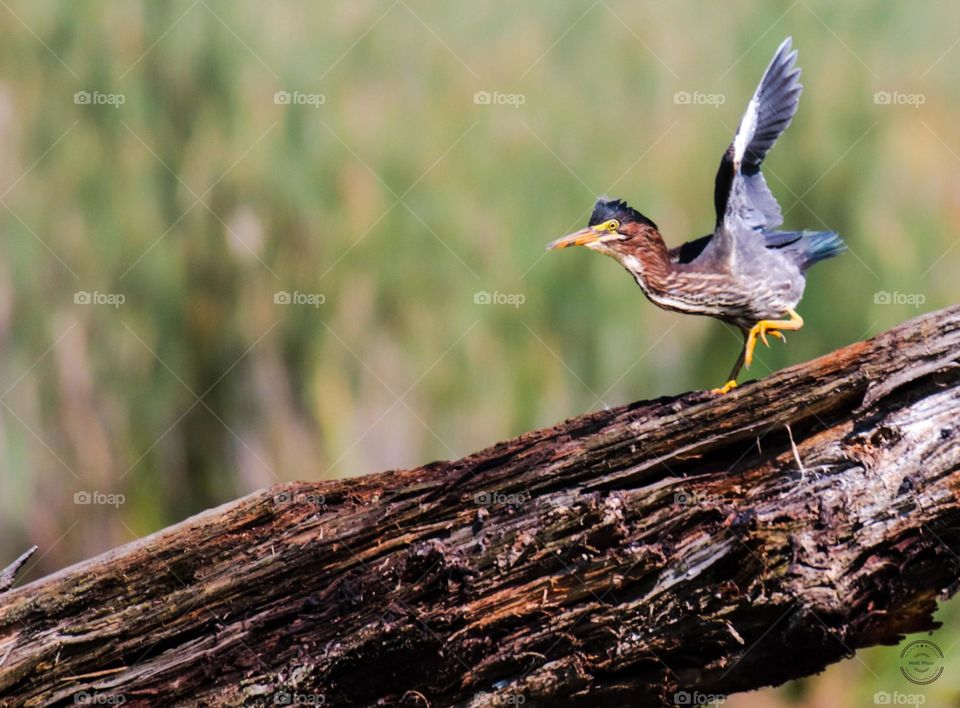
[(615, 229)]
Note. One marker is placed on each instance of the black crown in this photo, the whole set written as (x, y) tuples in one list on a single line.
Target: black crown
[(606, 209)]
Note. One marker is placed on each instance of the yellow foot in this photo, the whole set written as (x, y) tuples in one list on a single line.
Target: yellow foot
[(726, 388), (764, 331), (764, 327)]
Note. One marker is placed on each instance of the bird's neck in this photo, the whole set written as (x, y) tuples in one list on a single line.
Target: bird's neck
[(647, 260)]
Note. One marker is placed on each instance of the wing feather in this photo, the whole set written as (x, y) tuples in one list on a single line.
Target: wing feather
[(741, 195)]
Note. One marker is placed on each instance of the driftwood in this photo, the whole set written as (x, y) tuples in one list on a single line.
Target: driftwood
[(692, 544)]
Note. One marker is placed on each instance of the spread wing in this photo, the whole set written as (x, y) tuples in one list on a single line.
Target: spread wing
[(741, 195)]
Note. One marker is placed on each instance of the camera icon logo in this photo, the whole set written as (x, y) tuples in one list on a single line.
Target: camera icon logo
[(482, 98), (282, 98)]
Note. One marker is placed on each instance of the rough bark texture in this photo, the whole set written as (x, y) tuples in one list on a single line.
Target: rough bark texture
[(697, 543)]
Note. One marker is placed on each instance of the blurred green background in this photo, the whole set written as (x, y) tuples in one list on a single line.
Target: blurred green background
[(172, 172)]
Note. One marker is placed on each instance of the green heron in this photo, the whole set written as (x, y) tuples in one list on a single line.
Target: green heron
[(746, 272)]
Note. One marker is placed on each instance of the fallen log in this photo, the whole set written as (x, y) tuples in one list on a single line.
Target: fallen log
[(691, 544)]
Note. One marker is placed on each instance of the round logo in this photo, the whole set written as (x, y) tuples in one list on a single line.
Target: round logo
[(921, 662)]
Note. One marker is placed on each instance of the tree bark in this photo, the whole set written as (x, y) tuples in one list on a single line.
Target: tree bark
[(701, 543)]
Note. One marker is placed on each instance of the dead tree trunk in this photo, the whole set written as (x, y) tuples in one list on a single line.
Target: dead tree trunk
[(697, 543)]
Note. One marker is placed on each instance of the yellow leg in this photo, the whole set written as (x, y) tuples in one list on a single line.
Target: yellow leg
[(735, 371), (771, 327)]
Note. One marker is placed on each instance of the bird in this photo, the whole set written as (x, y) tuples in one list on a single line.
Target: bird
[(745, 272)]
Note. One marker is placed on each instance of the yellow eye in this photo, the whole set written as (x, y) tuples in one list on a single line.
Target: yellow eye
[(613, 225)]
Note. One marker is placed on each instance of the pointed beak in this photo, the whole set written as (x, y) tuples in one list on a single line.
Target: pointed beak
[(578, 238)]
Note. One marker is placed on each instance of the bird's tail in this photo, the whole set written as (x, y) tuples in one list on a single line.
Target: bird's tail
[(806, 247)]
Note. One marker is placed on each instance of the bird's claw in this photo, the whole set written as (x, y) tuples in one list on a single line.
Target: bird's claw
[(726, 388), (773, 333), (760, 331)]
